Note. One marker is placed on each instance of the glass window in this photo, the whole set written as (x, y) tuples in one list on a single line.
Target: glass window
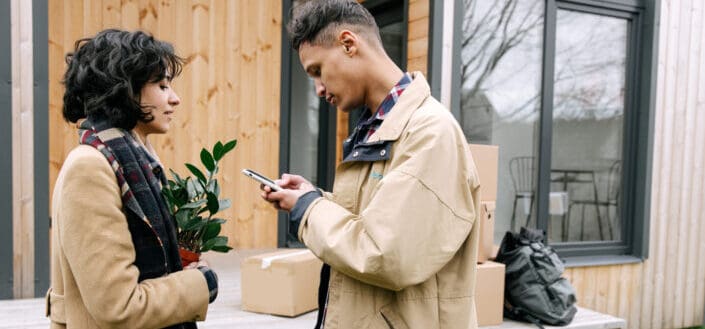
[(501, 56), (588, 121), (304, 122), (555, 85)]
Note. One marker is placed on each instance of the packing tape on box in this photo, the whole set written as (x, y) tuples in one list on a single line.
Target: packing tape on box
[(267, 261)]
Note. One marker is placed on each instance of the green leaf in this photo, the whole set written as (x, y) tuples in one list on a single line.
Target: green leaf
[(221, 248), (207, 160), (211, 230), (181, 197), (197, 172), (218, 151), (211, 186), (220, 241), (217, 220), (216, 188), (224, 204), (182, 217), (213, 204), (194, 224), (194, 205), (208, 245), (229, 146), (191, 187), (176, 176)]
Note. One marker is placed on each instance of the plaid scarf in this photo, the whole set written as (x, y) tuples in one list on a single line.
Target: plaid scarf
[(139, 176)]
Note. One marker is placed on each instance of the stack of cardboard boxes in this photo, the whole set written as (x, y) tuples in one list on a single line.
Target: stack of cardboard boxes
[(489, 287)]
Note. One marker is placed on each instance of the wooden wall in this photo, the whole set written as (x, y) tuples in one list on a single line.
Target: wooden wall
[(229, 89), (22, 149), (668, 289), (417, 48)]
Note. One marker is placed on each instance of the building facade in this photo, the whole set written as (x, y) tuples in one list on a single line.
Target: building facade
[(598, 108)]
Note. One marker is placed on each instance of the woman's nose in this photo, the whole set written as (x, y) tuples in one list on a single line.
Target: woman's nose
[(174, 99)]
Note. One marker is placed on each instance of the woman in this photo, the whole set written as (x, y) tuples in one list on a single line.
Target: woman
[(115, 260)]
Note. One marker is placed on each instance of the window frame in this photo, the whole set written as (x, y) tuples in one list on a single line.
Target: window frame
[(640, 83)]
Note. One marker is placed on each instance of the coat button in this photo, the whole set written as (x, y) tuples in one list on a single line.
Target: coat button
[(382, 152), (355, 154)]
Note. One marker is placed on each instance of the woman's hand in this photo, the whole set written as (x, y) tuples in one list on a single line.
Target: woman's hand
[(294, 187), (195, 265)]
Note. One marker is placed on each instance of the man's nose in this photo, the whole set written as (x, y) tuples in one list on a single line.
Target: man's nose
[(320, 88)]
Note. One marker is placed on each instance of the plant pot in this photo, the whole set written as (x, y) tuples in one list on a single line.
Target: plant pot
[(188, 256)]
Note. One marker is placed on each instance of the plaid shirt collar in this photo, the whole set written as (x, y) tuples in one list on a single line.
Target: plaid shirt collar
[(371, 123)]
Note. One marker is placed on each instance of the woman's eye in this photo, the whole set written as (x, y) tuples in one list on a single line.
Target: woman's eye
[(164, 87)]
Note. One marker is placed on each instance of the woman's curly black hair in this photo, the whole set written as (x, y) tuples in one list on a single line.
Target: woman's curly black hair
[(106, 73)]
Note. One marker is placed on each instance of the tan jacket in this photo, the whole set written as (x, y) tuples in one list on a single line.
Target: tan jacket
[(400, 234), (93, 279)]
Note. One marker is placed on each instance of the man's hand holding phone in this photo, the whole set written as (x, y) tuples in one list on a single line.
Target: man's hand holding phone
[(284, 192), (294, 186)]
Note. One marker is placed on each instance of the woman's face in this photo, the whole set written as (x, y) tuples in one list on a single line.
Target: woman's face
[(161, 100)]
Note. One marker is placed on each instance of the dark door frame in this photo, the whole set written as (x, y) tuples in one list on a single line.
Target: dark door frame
[(6, 269)]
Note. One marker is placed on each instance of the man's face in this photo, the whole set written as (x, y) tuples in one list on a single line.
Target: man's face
[(334, 74)]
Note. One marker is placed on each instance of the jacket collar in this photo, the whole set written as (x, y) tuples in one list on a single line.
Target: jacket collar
[(412, 97)]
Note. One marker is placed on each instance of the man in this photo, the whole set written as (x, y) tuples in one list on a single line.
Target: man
[(398, 231)]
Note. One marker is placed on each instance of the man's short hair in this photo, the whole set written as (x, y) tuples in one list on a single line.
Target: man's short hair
[(318, 21)]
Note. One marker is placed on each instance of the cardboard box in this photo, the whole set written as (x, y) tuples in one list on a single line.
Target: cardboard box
[(485, 250), (495, 250), (486, 159), (489, 293), (284, 282)]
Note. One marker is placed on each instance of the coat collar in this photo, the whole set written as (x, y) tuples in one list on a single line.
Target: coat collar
[(412, 97)]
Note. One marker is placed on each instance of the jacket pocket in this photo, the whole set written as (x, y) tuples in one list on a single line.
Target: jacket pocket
[(55, 308), (392, 318)]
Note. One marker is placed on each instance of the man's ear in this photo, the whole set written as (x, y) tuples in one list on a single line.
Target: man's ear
[(348, 42)]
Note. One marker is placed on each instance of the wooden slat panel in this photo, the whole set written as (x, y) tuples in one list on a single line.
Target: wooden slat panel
[(667, 204), (55, 70), (673, 293), (22, 148), (685, 306), (417, 47), (229, 89), (698, 207)]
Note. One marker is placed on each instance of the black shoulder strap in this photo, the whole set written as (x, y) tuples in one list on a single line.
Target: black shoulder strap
[(518, 313)]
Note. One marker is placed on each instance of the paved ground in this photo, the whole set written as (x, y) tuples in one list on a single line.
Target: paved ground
[(226, 312)]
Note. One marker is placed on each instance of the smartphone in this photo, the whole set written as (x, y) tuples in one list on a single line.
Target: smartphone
[(262, 179)]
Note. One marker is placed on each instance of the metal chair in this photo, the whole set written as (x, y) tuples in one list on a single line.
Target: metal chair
[(521, 169), (614, 186)]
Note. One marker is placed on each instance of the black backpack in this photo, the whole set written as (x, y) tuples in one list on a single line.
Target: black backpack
[(534, 289)]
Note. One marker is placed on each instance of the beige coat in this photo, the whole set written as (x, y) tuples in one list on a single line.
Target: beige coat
[(400, 234), (93, 279)]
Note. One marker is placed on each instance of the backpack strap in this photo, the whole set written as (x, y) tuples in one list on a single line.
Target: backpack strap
[(518, 313)]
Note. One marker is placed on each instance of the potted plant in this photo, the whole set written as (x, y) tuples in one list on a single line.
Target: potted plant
[(194, 201)]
